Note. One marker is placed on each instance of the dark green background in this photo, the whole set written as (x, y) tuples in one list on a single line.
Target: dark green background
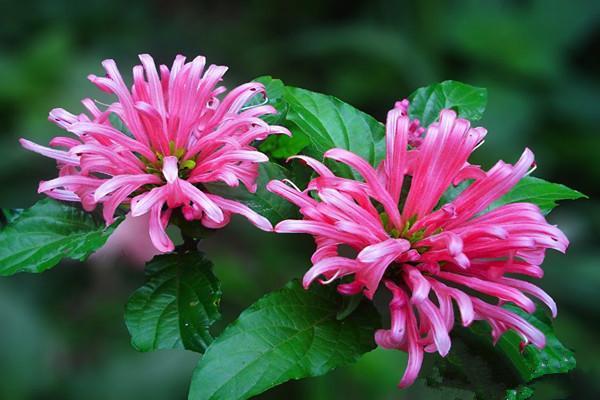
[(62, 335)]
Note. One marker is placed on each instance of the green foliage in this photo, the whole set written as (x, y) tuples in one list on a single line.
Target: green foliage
[(320, 122), (544, 194), (263, 202), (427, 102), (540, 192), (474, 364), (533, 57), (176, 306), (493, 372), (330, 123), (280, 146), (275, 90), (40, 237), (533, 363), (288, 334)]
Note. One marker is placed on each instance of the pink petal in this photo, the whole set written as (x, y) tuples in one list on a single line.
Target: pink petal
[(396, 126), (498, 290), (415, 353), (334, 266), (197, 196), (390, 247), (370, 175), (239, 208), (158, 235), (58, 155), (530, 288), (170, 169), (120, 180), (440, 334), (318, 166), (142, 203), (419, 285)]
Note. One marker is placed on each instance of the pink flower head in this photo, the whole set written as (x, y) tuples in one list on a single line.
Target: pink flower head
[(426, 253), (179, 134)]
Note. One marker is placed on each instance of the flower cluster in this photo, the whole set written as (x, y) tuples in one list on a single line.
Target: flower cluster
[(175, 130), (394, 227), (156, 146)]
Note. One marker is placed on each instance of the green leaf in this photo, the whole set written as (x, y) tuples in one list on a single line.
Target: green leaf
[(533, 363), (263, 202), (278, 146), (329, 123), (427, 102), (39, 237), (282, 146), (501, 371), (274, 89), (540, 192), (288, 334), (318, 123), (176, 306), (473, 364), (349, 305)]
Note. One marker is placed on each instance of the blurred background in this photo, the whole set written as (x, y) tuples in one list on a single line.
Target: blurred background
[(62, 335)]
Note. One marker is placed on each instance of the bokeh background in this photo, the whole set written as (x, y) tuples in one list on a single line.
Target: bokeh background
[(62, 335)]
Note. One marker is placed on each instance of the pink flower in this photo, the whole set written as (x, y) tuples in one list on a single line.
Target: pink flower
[(427, 255), (178, 135)]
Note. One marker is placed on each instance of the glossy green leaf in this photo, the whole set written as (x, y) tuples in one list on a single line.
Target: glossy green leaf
[(474, 365), (275, 90), (328, 123), (427, 102), (500, 371), (263, 202), (318, 123), (533, 363), (39, 237), (540, 192), (288, 334), (282, 146), (278, 146), (176, 306)]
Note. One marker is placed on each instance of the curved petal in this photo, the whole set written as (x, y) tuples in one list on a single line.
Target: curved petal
[(415, 352), (158, 235), (197, 196), (120, 180), (331, 268), (389, 247), (238, 208), (530, 288), (370, 176), (419, 285), (142, 203), (481, 193), (58, 155), (495, 289)]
